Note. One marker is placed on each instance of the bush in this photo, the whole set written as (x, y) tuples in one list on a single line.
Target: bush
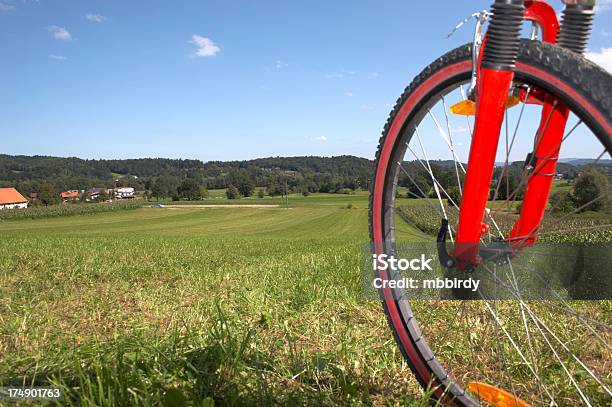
[(592, 184), (232, 192), (562, 201), (454, 194), (52, 211), (419, 188)]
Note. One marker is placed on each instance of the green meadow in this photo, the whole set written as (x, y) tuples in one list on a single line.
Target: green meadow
[(254, 301), (199, 306)]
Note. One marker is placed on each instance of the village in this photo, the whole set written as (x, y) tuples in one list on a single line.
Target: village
[(10, 198)]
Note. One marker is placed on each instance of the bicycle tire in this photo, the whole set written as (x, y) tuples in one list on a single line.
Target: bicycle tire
[(583, 86)]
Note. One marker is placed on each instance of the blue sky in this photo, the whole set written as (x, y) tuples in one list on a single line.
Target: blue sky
[(217, 80)]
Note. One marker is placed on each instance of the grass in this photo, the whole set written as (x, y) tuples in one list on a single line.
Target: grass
[(231, 305), (195, 306)]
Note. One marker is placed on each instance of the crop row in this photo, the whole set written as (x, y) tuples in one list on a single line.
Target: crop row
[(578, 228), (67, 210)]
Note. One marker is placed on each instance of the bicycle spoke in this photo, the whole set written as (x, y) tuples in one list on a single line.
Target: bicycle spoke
[(450, 138), (540, 324), (531, 350)]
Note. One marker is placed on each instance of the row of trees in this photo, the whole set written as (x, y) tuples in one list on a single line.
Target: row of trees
[(163, 176), (588, 189), (171, 187)]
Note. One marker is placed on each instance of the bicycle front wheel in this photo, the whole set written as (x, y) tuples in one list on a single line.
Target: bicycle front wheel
[(555, 351)]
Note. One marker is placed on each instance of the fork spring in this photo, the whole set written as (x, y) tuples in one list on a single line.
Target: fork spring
[(502, 45), (576, 23)]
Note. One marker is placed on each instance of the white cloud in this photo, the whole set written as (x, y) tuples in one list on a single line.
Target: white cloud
[(206, 47), (278, 64), (602, 58), (321, 138), (349, 94), (60, 33), (96, 18), (5, 6), (339, 75), (58, 57), (460, 129), (603, 5)]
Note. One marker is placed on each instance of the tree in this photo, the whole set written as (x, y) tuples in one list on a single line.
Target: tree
[(165, 186), (260, 193), (157, 190), (189, 189), (453, 196), (419, 188), (562, 201), (85, 197), (242, 180), (203, 192), (103, 197), (592, 190), (509, 186), (47, 194), (275, 188), (232, 192)]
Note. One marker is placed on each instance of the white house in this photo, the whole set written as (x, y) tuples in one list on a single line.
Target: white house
[(11, 199), (125, 192)]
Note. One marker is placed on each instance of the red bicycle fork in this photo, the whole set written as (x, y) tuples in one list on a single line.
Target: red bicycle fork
[(491, 95)]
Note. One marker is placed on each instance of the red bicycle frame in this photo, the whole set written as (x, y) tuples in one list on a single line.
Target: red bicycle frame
[(491, 95)]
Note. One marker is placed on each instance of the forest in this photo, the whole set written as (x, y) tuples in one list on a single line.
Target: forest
[(163, 178)]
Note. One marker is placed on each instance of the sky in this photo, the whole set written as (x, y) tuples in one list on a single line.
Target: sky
[(219, 80)]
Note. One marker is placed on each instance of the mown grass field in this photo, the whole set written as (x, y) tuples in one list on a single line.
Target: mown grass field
[(190, 306), (193, 305)]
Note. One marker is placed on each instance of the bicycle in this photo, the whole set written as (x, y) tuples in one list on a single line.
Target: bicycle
[(514, 352)]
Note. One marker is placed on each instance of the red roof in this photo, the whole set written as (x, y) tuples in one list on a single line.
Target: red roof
[(69, 195), (10, 196)]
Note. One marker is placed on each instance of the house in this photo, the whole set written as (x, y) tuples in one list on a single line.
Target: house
[(10, 199), (94, 193), (69, 196), (124, 192)]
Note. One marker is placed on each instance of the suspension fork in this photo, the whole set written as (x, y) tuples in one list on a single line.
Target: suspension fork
[(573, 35), (494, 80)]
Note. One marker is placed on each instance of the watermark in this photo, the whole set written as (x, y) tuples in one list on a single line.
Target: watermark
[(544, 271), (384, 262), (31, 393)]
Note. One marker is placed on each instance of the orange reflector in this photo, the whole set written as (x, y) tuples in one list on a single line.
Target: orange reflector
[(496, 396), (468, 107), (464, 108), (512, 101)]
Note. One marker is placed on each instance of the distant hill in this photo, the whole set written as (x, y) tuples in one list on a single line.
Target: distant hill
[(27, 173), (304, 173), (585, 161)]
